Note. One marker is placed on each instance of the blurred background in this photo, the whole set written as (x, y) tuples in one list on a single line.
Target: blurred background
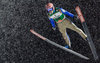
[(19, 45)]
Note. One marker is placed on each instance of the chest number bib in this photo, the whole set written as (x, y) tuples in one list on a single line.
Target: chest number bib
[(57, 16)]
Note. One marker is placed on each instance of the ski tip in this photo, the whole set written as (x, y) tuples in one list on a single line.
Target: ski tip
[(80, 15), (31, 30), (35, 33)]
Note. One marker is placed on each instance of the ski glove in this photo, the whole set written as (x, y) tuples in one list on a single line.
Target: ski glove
[(53, 28), (75, 17)]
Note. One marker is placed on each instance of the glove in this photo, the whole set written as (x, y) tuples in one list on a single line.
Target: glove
[(75, 17), (53, 28)]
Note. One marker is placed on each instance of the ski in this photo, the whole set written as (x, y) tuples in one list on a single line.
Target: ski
[(57, 45), (93, 49)]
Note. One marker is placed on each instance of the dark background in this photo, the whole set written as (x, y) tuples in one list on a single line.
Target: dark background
[(19, 45)]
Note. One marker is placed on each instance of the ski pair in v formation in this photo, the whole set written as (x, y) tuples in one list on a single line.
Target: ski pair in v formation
[(58, 15)]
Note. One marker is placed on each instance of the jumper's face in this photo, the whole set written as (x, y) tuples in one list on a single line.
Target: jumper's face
[(50, 9)]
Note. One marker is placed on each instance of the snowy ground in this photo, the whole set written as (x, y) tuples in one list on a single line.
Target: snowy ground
[(19, 45)]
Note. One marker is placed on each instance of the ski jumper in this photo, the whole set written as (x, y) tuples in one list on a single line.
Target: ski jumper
[(59, 17)]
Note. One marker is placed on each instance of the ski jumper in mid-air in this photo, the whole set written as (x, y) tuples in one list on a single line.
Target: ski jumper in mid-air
[(58, 15)]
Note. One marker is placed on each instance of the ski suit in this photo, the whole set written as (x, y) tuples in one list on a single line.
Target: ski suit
[(63, 23)]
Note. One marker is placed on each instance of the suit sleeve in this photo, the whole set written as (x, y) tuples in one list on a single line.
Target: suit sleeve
[(67, 13), (52, 22)]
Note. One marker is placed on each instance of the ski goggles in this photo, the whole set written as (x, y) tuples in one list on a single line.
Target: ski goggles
[(50, 9)]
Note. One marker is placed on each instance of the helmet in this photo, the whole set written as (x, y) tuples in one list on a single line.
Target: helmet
[(49, 7)]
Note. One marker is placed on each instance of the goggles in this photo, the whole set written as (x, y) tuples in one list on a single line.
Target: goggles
[(50, 9)]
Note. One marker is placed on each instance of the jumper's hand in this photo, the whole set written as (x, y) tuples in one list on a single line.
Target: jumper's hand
[(76, 17), (53, 28)]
